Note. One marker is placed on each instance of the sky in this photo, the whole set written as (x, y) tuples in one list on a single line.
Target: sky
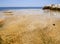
[(27, 3)]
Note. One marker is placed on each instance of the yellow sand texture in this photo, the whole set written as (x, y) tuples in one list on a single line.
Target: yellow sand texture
[(30, 29)]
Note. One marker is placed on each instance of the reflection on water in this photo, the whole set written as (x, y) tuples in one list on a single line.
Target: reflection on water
[(31, 12), (51, 12)]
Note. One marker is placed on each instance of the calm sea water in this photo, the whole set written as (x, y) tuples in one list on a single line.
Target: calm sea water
[(7, 8)]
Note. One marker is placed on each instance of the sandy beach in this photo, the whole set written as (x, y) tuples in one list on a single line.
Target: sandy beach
[(29, 26)]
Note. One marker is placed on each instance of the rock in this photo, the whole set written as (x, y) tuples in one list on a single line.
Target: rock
[(52, 7)]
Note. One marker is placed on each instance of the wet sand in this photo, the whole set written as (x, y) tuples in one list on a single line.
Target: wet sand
[(32, 26)]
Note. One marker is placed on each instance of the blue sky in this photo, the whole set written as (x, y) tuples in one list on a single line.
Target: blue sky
[(27, 3)]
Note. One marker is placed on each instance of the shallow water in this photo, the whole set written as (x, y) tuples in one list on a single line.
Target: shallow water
[(18, 12)]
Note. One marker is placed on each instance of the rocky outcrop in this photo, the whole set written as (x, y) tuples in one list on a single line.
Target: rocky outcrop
[(52, 7)]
